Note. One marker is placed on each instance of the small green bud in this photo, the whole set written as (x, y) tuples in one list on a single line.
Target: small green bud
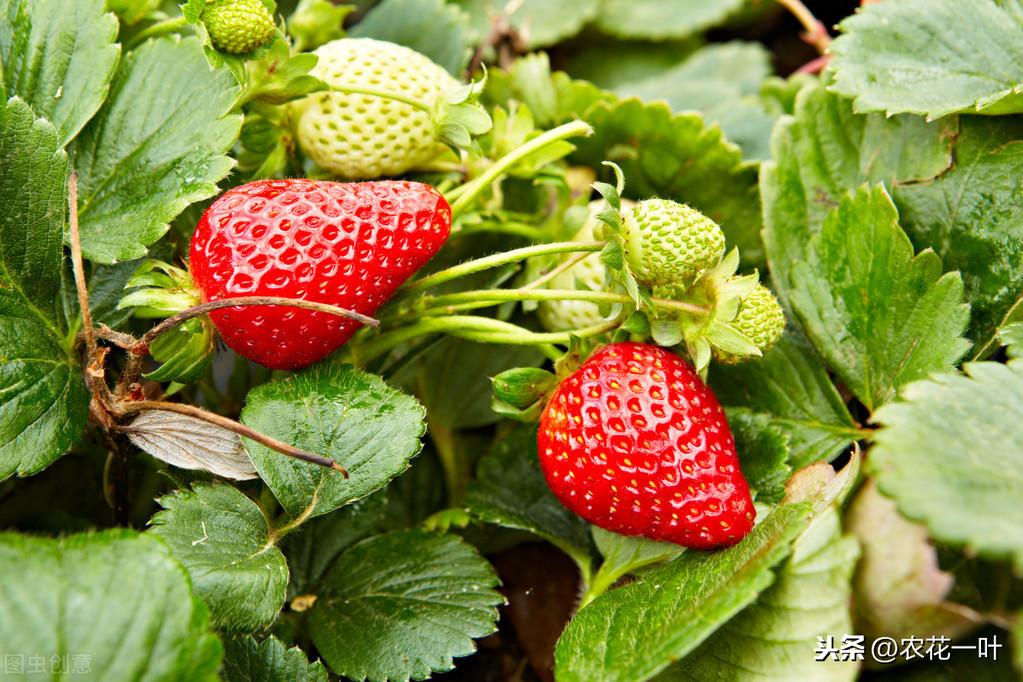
[(238, 26), (760, 319), (669, 244), (520, 387)]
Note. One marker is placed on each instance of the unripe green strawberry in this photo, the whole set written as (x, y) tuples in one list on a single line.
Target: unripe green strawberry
[(238, 26), (365, 136), (668, 244), (760, 319)]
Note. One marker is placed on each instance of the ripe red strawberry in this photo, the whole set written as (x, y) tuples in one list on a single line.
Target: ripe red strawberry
[(636, 443), (347, 244)]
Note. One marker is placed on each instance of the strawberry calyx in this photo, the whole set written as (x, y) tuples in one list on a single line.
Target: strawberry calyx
[(458, 117)]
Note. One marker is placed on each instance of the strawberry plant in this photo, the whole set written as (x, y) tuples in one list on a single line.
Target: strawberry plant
[(597, 340)]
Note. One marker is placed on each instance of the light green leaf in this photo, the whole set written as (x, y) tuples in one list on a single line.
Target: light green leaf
[(763, 449), (879, 315), (246, 660), (155, 147), (677, 156), (634, 60), (352, 417), (315, 22), (117, 598), (624, 555), (224, 542), (636, 631), (790, 386), (1012, 337), (131, 12), (402, 605), (972, 216), (59, 57), (948, 454), (775, 637), (933, 57), (539, 22), (448, 41), (661, 19), (824, 151), (510, 491), (43, 403)]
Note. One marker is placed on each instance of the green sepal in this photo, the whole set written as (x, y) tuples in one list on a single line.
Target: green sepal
[(460, 117), (667, 332), (528, 414), (161, 290), (521, 387), (274, 75), (729, 339), (315, 22), (612, 256), (637, 323), (185, 351)]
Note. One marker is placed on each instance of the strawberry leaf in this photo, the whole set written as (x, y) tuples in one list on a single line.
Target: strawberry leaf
[(763, 449), (151, 628), (352, 417), (402, 605), (155, 147), (792, 390), (64, 85), (131, 12), (538, 22), (879, 315), (222, 539), (662, 19), (636, 631), (448, 42), (43, 403), (933, 57), (249, 660), (948, 455), (510, 491)]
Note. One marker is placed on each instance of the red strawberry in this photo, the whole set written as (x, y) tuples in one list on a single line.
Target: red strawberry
[(636, 443), (347, 244)]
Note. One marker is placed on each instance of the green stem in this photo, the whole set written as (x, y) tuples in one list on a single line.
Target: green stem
[(463, 196), (480, 264), (158, 29), (601, 583), (517, 229), (383, 94)]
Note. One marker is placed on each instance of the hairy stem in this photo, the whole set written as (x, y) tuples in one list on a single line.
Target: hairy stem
[(383, 94), (158, 29), (79, 268)]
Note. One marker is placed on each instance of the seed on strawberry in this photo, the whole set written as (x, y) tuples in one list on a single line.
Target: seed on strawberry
[(238, 26), (760, 319), (668, 244), (346, 244), (366, 136), (634, 442)]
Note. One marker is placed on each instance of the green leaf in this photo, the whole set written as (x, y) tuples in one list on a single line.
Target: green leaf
[(972, 216), (661, 19), (677, 156), (825, 150), (879, 315), (791, 388), (636, 631), (763, 448), (510, 491), (448, 40), (634, 60), (625, 555), (246, 660), (352, 417), (771, 639), (539, 23), (116, 602), (933, 57), (59, 57), (43, 403), (315, 22), (402, 605), (948, 454), (131, 12), (223, 540), (1012, 337), (155, 147)]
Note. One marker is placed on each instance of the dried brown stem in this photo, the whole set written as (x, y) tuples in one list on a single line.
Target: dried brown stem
[(76, 263), (233, 426)]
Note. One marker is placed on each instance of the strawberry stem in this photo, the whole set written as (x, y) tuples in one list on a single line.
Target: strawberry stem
[(464, 195), (382, 94), (158, 29), (816, 33)]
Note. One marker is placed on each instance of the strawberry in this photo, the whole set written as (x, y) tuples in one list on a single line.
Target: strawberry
[(347, 244), (634, 442), (238, 26), (760, 319), (368, 136), (668, 244)]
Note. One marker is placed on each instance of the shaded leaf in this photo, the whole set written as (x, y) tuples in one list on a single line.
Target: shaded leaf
[(402, 605), (660, 19), (538, 22), (352, 417), (191, 443), (224, 542), (247, 660), (448, 40), (763, 449)]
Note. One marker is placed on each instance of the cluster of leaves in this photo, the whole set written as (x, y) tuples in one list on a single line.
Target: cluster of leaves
[(882, 198)]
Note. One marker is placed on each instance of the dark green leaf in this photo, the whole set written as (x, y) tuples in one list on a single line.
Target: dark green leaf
[(660, 19), (790, 387), (402, 605), (59, 57), (224, 542), (879, 315), (763, 448), (538, 22), (155, 147), (116, 602), (339, 412), (246, 660), (636, 631), (431, 27)]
